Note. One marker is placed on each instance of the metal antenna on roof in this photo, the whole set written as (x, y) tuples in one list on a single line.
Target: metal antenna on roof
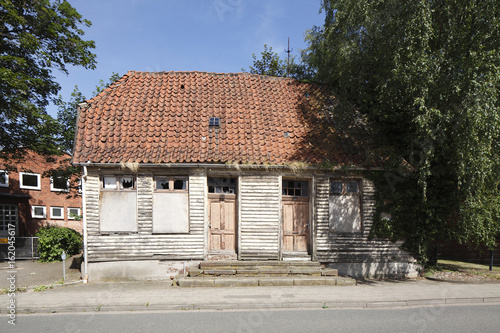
[(288, 61)]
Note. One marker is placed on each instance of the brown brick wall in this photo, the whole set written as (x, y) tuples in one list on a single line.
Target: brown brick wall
[(27, 225)]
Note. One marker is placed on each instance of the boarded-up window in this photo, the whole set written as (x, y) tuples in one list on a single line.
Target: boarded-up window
[(171, 205), (345, 206), (118, 209)]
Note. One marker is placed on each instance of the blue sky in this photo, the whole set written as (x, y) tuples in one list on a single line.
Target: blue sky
[(185, 35)]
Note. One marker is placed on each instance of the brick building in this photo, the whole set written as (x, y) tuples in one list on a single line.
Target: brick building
[(29, 199)]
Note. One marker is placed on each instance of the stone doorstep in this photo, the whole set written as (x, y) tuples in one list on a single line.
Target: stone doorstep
[(329, 272), (249, 264), (194, 272), (219, 271), (274, 271), (306, 271), (247, 272), (282, 271)]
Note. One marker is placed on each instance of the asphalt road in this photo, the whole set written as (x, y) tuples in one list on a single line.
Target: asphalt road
[(473, 318)]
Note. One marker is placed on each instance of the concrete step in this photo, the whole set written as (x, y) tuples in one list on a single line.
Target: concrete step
[(234, 264), (191, 282), (235, 269)]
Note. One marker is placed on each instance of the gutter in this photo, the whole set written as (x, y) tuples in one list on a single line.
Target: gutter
[(224, 166)]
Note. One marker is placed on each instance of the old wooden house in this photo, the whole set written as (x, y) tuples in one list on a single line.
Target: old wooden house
[(183, 167)]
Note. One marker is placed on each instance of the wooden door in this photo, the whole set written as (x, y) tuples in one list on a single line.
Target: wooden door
[(222, 222), (295, 224)]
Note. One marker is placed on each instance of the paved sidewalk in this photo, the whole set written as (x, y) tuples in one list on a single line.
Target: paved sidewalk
[(158, 296), (31, 273)]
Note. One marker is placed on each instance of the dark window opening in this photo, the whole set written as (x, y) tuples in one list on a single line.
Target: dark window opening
[(30, 180), (162, 184), (335, 187), (127, 182), (296, 188), (221, 185), (338, 187), (60, 183), (180, 184), (170, 183)]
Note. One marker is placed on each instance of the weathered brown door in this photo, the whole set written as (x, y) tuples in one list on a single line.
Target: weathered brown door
[(222, 214), (295, 216)]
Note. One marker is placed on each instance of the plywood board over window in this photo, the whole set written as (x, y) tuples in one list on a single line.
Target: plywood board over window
[(118, 211), (171, 205), (345, 206)]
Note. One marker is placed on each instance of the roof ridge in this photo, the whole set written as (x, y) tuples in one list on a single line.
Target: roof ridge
[(216, 73)]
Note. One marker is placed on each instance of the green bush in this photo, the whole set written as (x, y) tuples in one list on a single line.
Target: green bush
[(53, 240)]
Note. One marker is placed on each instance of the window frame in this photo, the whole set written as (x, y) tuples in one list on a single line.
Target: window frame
[(216, 185), (68, 213), (34, 216), (4, 223), (344, 183), (6, 177), (171, 183), (214, 121), (304, 189), (118, 184), (54, 189), (28, 187), (52, 217)]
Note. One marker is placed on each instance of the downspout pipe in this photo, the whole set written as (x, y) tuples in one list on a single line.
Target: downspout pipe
[(85, 235)]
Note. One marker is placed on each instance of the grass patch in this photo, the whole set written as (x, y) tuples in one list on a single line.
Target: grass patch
[(463, 267), (18, 289)]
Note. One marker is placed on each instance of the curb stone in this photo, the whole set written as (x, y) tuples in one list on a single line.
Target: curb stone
[(253, 306), (463, 281)]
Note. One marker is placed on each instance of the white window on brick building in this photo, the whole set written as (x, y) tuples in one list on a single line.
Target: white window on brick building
[(57, 213), (59, 184), (30, 181), (4, 178), (38, 212), (74, 213)]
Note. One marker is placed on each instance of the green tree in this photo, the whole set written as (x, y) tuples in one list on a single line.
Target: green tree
[(68, 112), (270, 64), (427, 74), (103, 84), (66, 116), (66, 123), (36, 38)]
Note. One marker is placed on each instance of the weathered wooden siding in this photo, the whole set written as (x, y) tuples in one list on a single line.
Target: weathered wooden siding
[(355, 247), (144, 244), (260, 216), (259, 223)]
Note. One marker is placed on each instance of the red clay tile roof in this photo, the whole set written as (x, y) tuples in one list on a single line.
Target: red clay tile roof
[(163, 117)]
